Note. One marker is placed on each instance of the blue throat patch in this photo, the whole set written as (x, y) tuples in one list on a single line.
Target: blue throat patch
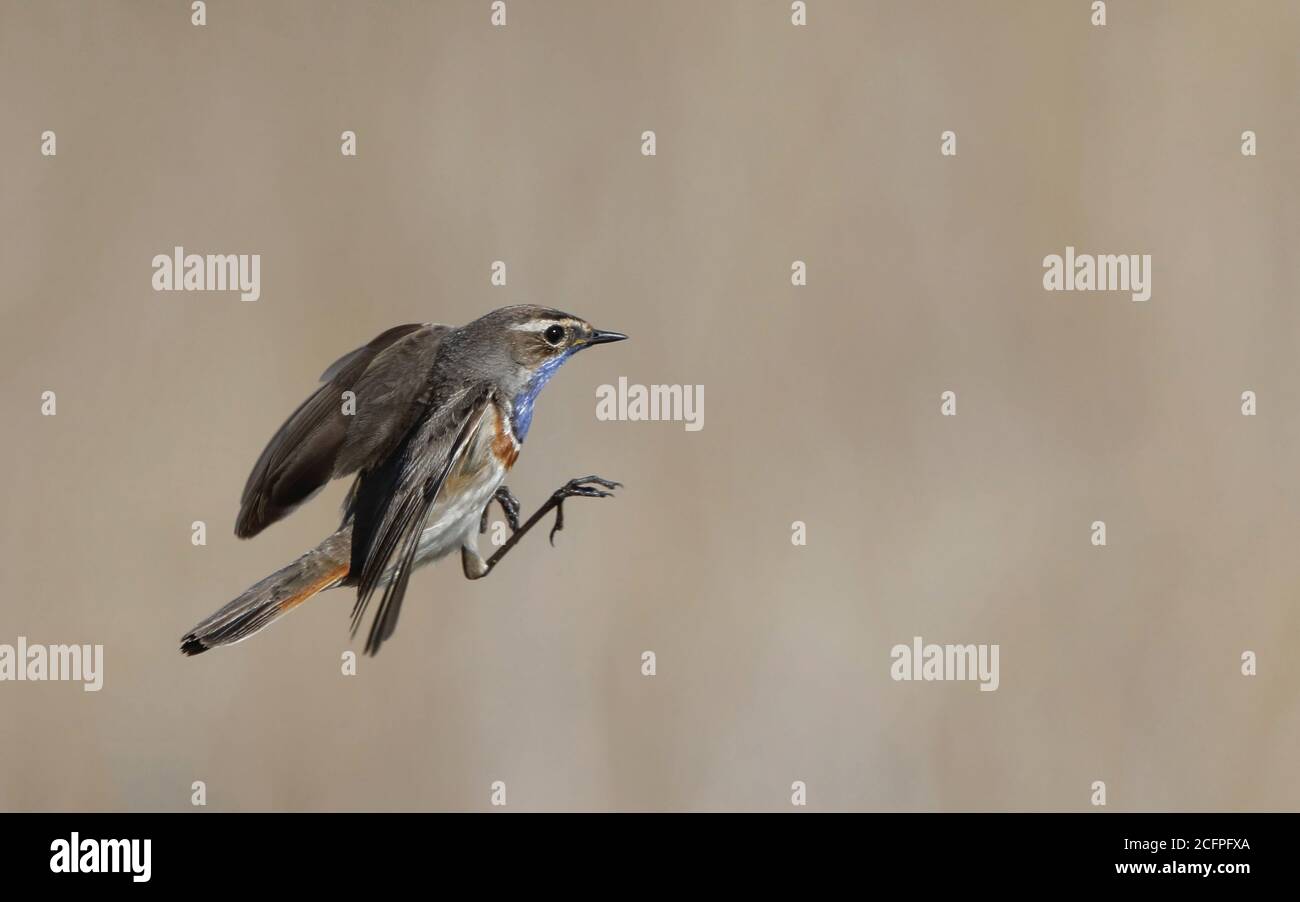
[(521, 419)]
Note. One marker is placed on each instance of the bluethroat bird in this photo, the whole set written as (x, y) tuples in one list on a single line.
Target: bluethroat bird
[(439, 416)]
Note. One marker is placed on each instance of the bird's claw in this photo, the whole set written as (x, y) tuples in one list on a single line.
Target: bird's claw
[(509, 507), (582, 487)]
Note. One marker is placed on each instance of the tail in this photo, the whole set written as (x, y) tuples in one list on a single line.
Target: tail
[(274, 596)]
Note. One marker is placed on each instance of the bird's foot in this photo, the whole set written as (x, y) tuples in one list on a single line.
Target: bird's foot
[(509, 506), (581, 487)]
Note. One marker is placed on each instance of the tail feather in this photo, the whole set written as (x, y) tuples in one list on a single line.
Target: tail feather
[(282, 591)]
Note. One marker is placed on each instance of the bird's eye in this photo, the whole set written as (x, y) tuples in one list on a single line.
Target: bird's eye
[(554, 335)]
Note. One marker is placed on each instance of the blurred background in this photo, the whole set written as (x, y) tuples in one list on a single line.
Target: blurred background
[(774, 143)]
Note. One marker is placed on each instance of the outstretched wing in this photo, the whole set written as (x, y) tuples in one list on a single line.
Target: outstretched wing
[(318, 441), (394, 499)]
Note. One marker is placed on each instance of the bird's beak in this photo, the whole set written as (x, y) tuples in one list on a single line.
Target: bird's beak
[(599, 337)]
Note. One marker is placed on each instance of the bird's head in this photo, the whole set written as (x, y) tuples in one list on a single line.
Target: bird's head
[(541, 337), (523, 346)]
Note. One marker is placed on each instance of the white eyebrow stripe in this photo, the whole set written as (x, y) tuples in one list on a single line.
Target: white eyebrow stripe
[(538, 325)]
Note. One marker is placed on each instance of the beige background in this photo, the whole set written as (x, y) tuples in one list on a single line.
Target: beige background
[(822, 403)]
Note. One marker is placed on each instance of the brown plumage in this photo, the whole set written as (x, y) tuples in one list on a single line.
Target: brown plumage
[(434, 422), (320, 442)]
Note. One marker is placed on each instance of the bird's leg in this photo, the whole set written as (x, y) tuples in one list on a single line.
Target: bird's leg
[(509, 506), (584, 487)]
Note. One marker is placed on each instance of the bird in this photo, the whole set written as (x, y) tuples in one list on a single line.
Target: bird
[(428, 420)]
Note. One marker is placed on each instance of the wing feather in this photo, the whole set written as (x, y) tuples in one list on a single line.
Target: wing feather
[(392, 394), (394, 501), (303, 455)]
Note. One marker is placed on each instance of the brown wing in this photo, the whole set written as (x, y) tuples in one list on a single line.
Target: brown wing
[(394, 501), (304, 454), (392, 394)]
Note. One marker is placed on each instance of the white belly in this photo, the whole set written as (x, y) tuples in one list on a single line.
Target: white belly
[(455, 521), (455, 516)]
